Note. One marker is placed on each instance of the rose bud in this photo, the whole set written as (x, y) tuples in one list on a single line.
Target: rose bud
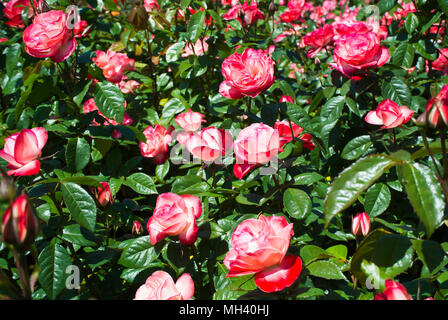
[(49, 36), (259, 247), (156, 145), (393, 291), (246, 74), (246, 14), (361, 224), (255, 145), (103, 194), (175, 215), (137, 228), (437, 109), (389, 114), (20, 225), (160, 286), (22, 150)]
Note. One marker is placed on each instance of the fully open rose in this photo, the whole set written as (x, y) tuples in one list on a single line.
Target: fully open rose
[(175, 215), (160, 286), (259, 247), (357, 52), (48, 36), (247, 74)]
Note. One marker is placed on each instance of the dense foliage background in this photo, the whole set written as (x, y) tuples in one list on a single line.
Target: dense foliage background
[(397, 175)]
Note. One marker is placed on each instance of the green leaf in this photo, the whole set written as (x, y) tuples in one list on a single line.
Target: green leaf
[(356, 147), (139, 253), (110, 100), (196, 25), (80, 96), (76, 234), (351, 182), (141, 183), (364, 251), (326, 269), (80, 204), (386, 5), (338, 251), (162, 170), (297, 203), (12, 54), (173, 52), (425, 194), (443, 4), (377, 199), (397, 91), (77, 154), (404, 55), (393, 253), (53, 262), (310, 253), (431, 254), (411, 23)]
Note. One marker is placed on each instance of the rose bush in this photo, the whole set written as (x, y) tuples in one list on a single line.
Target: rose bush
[(224, 149)]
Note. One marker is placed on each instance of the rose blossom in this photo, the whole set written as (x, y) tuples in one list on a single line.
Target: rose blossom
[(393, 291), (151, 5), (437, 110), (103, 194), (259, 247), (48, 36), (113, 64), (246, 74), (361, 224), (22, 150), (286, 99), (441, 63), (199, 47), (389, 114), (317, 40), (156, 145), (249, 13), (294, 11), (355, 53), (210, 144), (257, 144), (190, 121), (175, 215), (160, 286), (284, 129), (13, 11)]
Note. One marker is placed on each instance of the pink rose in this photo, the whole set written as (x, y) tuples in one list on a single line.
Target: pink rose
[(393, 291), (210, 144), (248, 13), (389, 114), (247, 74), (13, 11), (80, 28), (355, 53), (441, 63), (103, 194), (150, 5), (48, 36), (259, 247), (317, 40), (190, 121), (160, 286), (199, 47), (113, 64), (22, 150), (128, 86), (257, 144), (286, 99), (175, 215), (156, 145), (437, 109), (361, 224), (284, 130)]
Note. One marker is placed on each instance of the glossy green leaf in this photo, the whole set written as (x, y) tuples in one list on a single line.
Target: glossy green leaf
[(110, 101), (141, 183), (356, 147), (80, 204), (297, 203), (139, 253), (377, 199), (326, 269), (77, 154)]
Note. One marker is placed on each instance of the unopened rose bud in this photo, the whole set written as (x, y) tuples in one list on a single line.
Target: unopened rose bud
[(272, 7), (103, 194), (137, 228), (361, 223), (20, 225)]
